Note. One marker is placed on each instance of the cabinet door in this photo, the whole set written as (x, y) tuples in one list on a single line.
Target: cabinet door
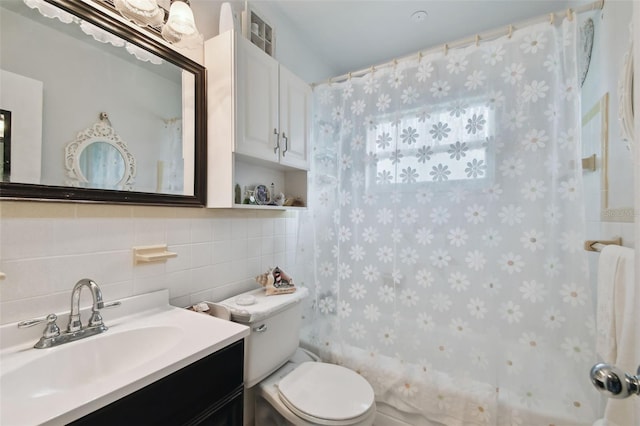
[(295, 114), (257, 102)]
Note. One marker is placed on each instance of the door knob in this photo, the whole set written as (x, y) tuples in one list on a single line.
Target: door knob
[(613, 382)]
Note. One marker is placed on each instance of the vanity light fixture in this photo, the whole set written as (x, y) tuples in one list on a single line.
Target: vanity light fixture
[(140, 12), (177, 27), (180, 28)]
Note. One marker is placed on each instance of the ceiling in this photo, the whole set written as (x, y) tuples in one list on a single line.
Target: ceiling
[(350, 35)]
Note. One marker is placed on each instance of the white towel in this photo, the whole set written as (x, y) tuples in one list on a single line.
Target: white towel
[(618, 327)]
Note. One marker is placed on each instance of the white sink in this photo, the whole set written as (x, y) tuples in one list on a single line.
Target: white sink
[(84, 362), (147, 340)]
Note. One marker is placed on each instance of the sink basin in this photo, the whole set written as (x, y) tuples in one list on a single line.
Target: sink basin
[(147, 340), (87, 361)]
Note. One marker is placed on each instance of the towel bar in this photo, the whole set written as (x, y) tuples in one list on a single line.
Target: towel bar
[(598, 245)]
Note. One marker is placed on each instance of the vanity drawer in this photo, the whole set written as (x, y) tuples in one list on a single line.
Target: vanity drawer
[(185, 397)]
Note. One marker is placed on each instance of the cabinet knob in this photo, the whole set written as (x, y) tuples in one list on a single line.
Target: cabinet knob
[(277, 147)]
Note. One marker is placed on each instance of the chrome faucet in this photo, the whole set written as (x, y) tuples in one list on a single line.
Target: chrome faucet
[(74, 316), (52, 336)]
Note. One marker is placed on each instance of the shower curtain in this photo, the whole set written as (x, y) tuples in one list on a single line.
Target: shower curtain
[(445, 231)]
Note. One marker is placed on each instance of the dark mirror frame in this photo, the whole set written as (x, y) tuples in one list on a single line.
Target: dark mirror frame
[(24, 191)]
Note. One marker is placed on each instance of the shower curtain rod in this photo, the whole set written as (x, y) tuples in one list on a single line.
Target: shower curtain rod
[(489, 35)]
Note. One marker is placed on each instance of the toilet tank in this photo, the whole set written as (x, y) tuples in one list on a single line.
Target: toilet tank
[(274, 323)]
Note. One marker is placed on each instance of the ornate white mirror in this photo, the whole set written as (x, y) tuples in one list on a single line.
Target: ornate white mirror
[(99, 158)]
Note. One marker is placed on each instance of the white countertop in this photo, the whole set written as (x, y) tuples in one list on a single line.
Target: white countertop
[(199, 335)]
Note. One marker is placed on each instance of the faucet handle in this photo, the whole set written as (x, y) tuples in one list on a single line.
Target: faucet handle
[(96, 318), (111, 305), (51, 329)]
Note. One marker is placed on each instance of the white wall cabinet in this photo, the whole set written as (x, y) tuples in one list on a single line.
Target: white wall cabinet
[(259, 121)]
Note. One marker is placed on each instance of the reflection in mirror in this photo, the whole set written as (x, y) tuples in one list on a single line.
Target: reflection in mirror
[(61, 71), (5, 145), (102, 165), (99, 158)]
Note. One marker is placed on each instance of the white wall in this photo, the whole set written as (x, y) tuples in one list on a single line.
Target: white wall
[(612, 38), (45, 248), (289, 50)]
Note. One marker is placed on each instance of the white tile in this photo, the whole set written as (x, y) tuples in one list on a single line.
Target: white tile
[(149, 231), (239, 229), (117, 291), (180, 302), (221, 229), (292, 225), (253, 267), (180, 262), (254, 227), (35, 307), (254, 247), (27, 278), (203, 278), (266, 262), (267, 227), (279, 243), (201, 230), (201, 296), (104, 268), (221, 252), (268, 245), (142, 270), (221, 274), (279, 226), (115, 234), (75, 236), (279, 259), (239, 270), (239, 249), (201, 254), (178, 231), (230, 290), (179, 283), (26, 238), (149, 284)]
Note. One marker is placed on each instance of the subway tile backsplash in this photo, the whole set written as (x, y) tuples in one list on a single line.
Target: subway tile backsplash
[(46, 247)]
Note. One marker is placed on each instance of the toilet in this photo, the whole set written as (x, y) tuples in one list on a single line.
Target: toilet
[(291, 385)]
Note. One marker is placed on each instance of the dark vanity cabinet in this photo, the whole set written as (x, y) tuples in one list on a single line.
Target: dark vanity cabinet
[(208, 392)]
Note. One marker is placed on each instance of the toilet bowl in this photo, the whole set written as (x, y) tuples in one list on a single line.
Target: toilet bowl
[(306, 392), (291, 386)]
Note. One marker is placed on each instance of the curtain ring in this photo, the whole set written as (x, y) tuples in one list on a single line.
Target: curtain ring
[(570, 14), (395, 64), (349, 76), (446, 49), (510, 33), (477, 40), (419, 57), (552, 17), (373, 69), (330, 81)]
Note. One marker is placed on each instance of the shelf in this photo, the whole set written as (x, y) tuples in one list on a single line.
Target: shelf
[(259, 207)]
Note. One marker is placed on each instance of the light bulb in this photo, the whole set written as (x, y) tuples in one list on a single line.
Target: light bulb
[(180, 27), (141, 12)]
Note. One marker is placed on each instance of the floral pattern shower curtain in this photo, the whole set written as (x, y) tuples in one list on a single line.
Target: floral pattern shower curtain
[(446, 230)]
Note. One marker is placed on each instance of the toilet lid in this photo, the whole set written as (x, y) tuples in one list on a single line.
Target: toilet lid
[(326, 391)]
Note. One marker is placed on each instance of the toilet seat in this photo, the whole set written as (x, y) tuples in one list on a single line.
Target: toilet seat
[(326, 394)]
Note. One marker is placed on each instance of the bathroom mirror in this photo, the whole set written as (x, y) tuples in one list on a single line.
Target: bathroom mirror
[(63, 62)]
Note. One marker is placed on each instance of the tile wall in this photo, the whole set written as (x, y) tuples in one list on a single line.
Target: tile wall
[(45, 248)]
